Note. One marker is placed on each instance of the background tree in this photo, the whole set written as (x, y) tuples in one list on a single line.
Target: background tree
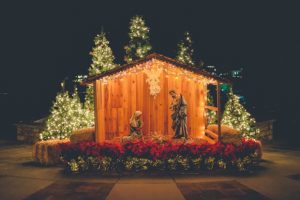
[(185, 50), (102, 60), (211, 115), (139, 43), (102, 55), (237, 117), (67, 114)]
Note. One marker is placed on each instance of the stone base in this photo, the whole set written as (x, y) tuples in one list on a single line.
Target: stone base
[(29, 133)]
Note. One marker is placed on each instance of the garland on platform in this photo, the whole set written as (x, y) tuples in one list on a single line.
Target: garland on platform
[(150, 155)]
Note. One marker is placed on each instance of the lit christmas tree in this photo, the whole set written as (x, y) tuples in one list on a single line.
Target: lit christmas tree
[(237, 117), (185, 50), (102, 60), (67, 114), (89, 98), (85, 117), (139, 43), (102, 55)]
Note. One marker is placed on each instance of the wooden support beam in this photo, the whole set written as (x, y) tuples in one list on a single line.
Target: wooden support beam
[(219, 107), (99, 112), (211, 108)]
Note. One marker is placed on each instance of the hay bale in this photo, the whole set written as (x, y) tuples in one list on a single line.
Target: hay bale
[(125, 139), (228, 134), (83, 135), (224, 129), (47, 152)]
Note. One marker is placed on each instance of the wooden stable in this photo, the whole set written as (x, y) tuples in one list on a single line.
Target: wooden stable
[(123, 90)]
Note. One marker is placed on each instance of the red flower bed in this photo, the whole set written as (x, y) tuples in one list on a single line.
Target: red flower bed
[(153, 151)]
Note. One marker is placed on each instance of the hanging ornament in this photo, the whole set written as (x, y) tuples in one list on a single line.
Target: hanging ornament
[(153, 80)]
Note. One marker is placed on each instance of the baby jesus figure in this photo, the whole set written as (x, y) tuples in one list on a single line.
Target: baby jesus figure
[(136, 124)]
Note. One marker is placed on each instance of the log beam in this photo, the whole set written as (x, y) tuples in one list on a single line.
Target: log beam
[(211, 108)]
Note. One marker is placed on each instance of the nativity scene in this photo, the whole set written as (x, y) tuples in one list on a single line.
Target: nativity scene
[(153, 113), (171, 95)]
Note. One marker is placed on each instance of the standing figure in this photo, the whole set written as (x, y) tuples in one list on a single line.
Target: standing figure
[(136, 124), (179, 115)]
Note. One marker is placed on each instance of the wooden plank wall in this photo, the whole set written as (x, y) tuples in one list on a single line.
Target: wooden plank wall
[(120, 98)]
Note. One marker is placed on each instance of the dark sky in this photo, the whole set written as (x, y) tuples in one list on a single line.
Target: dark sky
[(42, 43)]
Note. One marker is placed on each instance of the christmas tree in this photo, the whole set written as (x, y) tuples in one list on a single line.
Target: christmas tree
[(185, 50), (237, 117), (85, 116), (89, 98), (67, 114), (102, 60), (102, 56), (139, 43)]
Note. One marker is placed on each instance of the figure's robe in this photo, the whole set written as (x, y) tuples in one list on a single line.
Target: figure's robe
[(179, 117)]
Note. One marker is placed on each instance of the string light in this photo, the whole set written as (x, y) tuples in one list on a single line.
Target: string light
[(67, 114), (185, 50), (237, 117), (168, 69), (102, 56), (139, 45)]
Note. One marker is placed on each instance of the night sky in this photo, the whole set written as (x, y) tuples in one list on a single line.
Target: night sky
[(43, 43)]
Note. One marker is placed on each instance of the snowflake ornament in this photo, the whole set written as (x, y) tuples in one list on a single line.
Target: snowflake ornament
[(153, 80)]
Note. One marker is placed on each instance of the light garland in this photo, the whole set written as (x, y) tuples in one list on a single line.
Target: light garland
[(168, 69)]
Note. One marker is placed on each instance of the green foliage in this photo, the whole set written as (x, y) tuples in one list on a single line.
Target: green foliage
[(107, 164), (139, 43), (137, 164), (67, 114), (185, 50), (168, 156), (237, 117)]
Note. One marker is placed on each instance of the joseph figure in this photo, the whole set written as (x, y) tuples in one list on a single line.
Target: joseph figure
[(179, 115)]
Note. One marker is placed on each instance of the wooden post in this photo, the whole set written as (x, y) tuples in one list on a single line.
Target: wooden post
[(99, 112), (219, 108)]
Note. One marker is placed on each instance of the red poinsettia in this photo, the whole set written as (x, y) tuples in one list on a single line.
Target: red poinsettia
[(153, 150)]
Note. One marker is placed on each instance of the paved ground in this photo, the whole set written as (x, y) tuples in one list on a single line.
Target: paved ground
[(278, 178)]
